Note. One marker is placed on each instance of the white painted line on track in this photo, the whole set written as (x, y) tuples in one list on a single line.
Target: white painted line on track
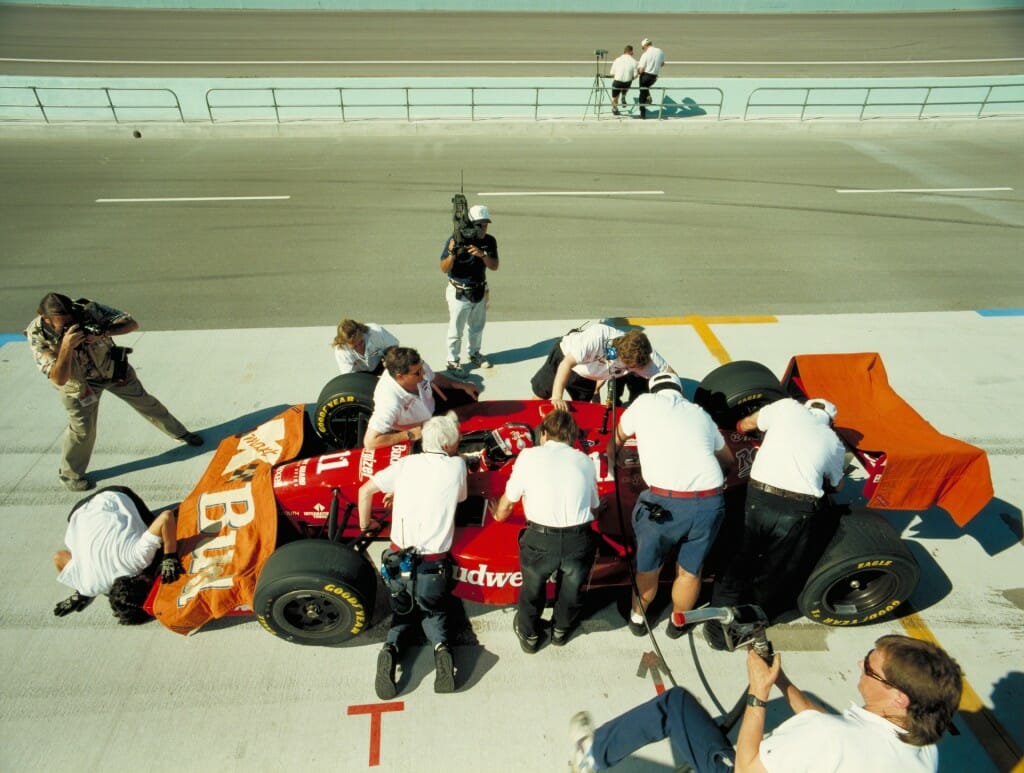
[(393, 62), (192, 198), (573, 193), (919, 190)]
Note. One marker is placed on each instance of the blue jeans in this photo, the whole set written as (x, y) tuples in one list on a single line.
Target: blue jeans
[(676, 715), (429, 595)]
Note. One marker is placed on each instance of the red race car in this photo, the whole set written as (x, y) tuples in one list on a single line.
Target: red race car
[(272, 528)]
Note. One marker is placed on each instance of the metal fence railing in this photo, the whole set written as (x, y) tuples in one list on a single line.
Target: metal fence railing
[(877, 102), (105, 104), (287, 104), (420, 103)]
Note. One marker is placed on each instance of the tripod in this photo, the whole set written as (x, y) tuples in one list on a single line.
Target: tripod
[(598, 91)]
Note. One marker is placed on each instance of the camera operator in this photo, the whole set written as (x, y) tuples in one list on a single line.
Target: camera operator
[(72, 344), (623, 72), (910, 689), (466, 265)]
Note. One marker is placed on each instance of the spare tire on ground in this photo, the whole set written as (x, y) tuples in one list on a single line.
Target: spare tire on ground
[(737, 389), (865, 573), (343, 408), (315, 592)]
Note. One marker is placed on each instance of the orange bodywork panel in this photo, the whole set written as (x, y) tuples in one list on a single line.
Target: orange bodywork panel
[(911, 465)]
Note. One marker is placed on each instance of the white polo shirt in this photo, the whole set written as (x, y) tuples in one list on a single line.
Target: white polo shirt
[(799, 449), (376, 340), (853, 742), (589, 347), (107, 540), (652, 60), (394, 408), (559, 484), (623, 69), (677, 441), (427, 487)]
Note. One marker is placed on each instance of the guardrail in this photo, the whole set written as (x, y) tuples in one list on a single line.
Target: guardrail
[(197, 103), (135, 105), (418, 103), (877, 102)]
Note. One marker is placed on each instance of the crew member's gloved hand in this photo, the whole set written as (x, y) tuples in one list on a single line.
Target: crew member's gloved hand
[(76, 602), (170, 568)]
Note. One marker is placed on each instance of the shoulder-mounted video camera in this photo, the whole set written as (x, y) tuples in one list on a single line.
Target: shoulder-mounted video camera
[(465, 230)]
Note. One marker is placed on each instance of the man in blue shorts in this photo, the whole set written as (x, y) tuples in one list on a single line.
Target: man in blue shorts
[(682, 458)]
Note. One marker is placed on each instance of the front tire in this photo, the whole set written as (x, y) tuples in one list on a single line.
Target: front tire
[(343, 408), (315, 592), (735, 390), (865, 573)]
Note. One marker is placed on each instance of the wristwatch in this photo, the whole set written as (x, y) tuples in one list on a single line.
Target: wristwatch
[(753, 700), (408, 434)]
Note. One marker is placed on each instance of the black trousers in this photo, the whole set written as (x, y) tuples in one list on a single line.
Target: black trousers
[(781, 541), (578, 387), (646, 81), (569, 557)]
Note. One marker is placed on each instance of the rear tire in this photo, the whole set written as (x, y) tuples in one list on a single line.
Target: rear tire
[(737, 389), (865, 573), (343, 408), (315, 592)]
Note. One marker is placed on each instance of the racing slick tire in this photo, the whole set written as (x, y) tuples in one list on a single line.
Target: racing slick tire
[(865, 573), (735, 390), (343, 408), (315, 592)]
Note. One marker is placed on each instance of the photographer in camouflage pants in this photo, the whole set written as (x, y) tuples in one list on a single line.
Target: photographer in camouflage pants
[(72, 344)]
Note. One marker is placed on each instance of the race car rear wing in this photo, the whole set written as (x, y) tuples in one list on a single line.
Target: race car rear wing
[(910, 464)]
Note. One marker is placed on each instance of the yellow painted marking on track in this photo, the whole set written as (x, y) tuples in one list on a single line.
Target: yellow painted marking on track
[(979, 718)]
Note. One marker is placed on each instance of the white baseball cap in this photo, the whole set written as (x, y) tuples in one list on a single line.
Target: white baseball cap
[(645, 42), (478, 213), (822, 408)]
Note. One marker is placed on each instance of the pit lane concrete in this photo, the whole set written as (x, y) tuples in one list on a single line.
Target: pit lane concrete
[(84, 693)]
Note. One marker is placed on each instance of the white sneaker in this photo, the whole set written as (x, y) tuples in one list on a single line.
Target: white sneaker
[(455, 369), (581, 736), (479, 360)]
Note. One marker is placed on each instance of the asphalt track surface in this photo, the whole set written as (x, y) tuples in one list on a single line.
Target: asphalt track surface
[(117, 42), (213, 231)]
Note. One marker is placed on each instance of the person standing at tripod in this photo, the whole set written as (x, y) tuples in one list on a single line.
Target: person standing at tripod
[(649, 67), (623, 72)]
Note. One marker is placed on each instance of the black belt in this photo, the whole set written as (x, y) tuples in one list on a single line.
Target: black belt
[(579, 528), (466, 285), (781, 492)]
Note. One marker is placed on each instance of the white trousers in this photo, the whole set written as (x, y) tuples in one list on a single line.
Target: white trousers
[(460, 315)]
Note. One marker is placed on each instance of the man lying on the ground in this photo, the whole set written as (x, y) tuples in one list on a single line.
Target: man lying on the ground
[(109, 544)]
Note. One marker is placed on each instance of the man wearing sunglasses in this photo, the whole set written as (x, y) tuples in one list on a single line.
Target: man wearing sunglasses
[(909, 688)]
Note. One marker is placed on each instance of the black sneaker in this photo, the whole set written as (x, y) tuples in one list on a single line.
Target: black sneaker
[(384, 684), (674, 631), (559, 636), (529, 644), (444, 667)]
